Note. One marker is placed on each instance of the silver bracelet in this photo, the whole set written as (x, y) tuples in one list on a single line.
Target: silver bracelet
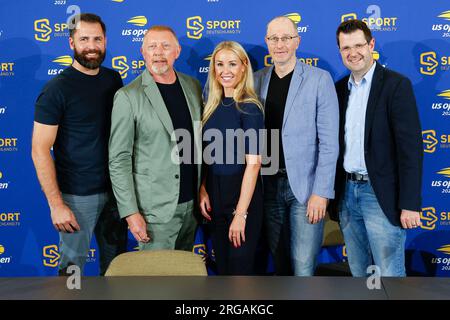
[(240, 214)]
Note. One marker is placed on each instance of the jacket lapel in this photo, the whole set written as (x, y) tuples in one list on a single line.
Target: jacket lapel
[(377, 84), (265, 83), (294, 86), (154, 96), (195, 112), (195, 118)]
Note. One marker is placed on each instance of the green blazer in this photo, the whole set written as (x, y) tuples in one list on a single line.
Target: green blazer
[(144, 176)]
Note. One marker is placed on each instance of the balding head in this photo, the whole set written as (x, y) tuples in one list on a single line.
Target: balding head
[(281, 22)]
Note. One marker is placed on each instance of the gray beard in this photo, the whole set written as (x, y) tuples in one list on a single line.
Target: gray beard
[(161, 70)]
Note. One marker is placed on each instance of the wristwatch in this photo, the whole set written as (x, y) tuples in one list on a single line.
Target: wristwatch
[(240, 214)]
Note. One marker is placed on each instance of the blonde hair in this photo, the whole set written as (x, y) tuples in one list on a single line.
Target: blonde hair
[(244, 91)]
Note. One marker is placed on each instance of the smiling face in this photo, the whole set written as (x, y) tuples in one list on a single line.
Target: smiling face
[(160, 50), (229, 70), (356, 53), (282, 52), (89, 46)]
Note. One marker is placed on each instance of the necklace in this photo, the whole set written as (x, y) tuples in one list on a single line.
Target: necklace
[(227, 105)]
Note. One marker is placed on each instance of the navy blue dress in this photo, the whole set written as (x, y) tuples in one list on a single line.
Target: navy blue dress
[(228, 135)]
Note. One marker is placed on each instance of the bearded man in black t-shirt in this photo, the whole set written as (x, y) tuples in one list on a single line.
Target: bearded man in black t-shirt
[(73, 114)]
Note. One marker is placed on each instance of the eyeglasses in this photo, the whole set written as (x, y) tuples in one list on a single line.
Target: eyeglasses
[(285, 39), (358, 47)]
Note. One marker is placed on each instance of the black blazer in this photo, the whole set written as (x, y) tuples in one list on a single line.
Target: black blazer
[(392, 144)]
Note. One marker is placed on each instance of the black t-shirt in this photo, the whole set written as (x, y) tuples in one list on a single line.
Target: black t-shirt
[(274, 110), (178, 109), (81, 106)]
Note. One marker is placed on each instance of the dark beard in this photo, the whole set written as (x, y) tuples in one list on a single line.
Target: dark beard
[(91, 64)]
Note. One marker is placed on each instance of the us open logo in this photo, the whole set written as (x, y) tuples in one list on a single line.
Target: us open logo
[(443, 261), (442, 106), (3, 185), (3, 258), (63, 61), (442, 184), (205, 68), (297, 18), (443, 27), (136, 34)]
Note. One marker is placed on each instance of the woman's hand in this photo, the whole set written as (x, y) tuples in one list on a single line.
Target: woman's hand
[(205, 205), (236, 234)]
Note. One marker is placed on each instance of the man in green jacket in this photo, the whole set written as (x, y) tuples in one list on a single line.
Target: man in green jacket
[(154, 145)]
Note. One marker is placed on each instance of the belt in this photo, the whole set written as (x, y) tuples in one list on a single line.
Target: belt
[(357, 176)]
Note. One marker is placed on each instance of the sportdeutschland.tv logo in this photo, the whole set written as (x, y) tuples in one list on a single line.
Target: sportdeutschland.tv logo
[(43, 30), (374, 21), (309, 61), (9, 219), (195, 27), (121, 65), (430, 62), (8, 144), (7, 69), (431, 140), (428, 217), (443, 27), (51, 256)]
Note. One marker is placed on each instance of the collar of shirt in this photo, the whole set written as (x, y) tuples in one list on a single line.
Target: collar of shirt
[(367, 79)]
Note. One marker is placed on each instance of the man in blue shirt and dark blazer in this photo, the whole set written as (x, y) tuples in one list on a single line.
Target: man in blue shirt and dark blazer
[(379, 170)]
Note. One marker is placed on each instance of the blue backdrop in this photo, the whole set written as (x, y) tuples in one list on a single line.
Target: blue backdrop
[(412, 37)]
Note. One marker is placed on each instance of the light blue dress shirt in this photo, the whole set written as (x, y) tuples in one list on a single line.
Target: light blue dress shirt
[(355, 120)]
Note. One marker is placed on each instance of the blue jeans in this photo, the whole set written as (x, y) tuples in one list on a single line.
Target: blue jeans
[(288, 230), (369, 234), (93, 212)]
